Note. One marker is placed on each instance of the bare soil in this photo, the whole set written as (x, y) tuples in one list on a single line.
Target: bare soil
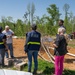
[(18, 45)]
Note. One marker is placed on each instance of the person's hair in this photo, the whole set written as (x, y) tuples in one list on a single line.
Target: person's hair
[(34, 26), (0, 29), (61, 20), (6, 26), (61, 30)]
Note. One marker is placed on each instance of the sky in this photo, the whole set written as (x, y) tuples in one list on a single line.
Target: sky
[(17, 8)]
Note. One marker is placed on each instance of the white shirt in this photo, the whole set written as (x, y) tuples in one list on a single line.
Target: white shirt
[(9, 35)]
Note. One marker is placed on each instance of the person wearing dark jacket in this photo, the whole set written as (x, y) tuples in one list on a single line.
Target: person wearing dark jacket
[(3, 47), (60, 45), (32, 46)]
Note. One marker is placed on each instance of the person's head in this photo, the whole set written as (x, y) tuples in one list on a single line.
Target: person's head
[(61, 22), (34, 26), (0, 29), (61, 31), (7, 28)]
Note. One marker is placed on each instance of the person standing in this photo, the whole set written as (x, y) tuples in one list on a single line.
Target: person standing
[(60, 46), (9, 33), (61, 23), (3, 47), (32, 46)]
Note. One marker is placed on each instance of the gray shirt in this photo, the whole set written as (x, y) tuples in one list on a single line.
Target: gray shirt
[(9, 35)]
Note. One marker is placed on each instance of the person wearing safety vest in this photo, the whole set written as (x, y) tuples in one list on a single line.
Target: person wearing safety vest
[(3, 47), (32, 46)]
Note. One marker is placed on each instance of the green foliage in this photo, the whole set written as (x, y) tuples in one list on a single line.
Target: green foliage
[(46, 68), (47, 25), (43, 67), (53, 11)]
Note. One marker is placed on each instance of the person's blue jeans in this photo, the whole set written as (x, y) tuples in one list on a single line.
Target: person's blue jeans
[(10, 47), (33, 54), (2, 52)]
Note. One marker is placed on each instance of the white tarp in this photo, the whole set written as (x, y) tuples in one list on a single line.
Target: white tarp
[(13, 72)]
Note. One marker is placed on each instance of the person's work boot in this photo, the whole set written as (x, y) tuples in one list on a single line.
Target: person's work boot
[(34, 72)]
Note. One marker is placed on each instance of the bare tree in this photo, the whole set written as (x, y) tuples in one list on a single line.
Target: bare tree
[(32, 12)]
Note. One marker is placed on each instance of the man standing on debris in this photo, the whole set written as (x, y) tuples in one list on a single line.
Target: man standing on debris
[(32, 46), (9, 33), (3, 47)]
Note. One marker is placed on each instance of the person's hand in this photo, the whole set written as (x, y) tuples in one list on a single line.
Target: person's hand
[(6, 49), (25, 52), (9, 36), (55, 45)]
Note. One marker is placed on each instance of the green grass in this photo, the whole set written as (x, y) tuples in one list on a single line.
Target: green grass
[(71, 45), (46, 68)]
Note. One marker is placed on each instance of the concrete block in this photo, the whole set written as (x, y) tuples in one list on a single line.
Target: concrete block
[(20, 66)]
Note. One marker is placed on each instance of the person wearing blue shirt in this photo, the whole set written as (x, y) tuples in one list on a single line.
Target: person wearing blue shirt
[(32, 46), (3, 47)]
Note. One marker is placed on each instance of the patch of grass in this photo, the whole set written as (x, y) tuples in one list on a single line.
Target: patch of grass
[(71, 45), (46, 68), (69, 72)]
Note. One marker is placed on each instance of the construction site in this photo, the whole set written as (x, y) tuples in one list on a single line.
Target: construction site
[(46, 51)]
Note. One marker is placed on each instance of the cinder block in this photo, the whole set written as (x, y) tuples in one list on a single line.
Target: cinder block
[(10, 62)]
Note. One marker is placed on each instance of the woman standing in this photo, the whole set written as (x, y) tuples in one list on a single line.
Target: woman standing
[(60, 45)]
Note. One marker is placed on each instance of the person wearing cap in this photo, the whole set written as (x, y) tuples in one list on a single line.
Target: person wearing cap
[(9, 33), (3, 47), (32, 46)]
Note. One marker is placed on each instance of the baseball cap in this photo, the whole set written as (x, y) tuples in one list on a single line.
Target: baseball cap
[(34, 26)]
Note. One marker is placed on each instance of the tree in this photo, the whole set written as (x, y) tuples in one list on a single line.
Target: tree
[(4, 20), (53, 11), (66, 9), (53, 18), (29, 12), (32, 12)]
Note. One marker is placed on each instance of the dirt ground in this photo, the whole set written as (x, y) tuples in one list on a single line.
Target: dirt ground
[(18, 45)]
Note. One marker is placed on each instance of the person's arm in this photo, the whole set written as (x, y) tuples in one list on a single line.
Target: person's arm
[(12, 33), (26, 44), (56, 43), (4, 41)]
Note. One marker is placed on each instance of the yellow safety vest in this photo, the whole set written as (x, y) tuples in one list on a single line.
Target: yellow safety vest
[(37, 43), (1, 43)]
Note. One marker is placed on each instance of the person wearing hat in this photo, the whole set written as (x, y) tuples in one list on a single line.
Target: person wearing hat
[(9, 33), (32, 46), (3, 47)]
